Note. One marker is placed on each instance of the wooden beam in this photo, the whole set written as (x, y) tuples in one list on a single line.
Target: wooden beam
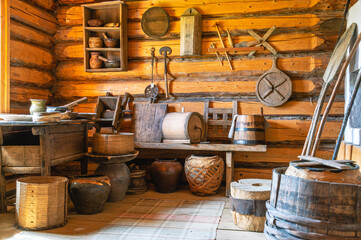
[(5, 57)]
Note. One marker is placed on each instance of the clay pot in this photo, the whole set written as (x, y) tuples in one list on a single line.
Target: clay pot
[(95, 23), (95, 42), (119, 176), (37, 105), (89, 193), (111, 42), (165, 175), (94, 61)]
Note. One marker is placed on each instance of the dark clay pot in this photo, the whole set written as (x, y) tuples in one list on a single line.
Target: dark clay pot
[(89, 193), (165, 175), (119, 176)]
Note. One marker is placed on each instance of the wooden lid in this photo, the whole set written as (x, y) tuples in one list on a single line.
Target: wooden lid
[(155, 22), (195, 127)]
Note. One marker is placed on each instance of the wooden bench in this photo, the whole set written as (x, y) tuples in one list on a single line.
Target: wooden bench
[(227, 148)]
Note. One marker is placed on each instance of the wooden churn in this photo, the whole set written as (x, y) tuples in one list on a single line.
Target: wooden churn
[(183, 127), (138, 182), (248, 203), (41, 202), (248, 129)]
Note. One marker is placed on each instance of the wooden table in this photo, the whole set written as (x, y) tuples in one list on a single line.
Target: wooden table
[(33, 147), (228, 148)]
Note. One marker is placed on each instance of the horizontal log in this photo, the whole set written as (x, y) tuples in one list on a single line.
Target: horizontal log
[(283, 43), (260, 173), (201, 69), (33, 16), (30, 35), (25, 54), (24, 75), (290, 108), (66, 89), (19, 108), (49, 5), (25, 93)]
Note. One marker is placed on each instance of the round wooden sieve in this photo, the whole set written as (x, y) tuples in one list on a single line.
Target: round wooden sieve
[(155, 22)]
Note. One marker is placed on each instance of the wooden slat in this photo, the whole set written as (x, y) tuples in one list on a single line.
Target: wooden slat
[(25, 156), (4, 59), (24, 75)]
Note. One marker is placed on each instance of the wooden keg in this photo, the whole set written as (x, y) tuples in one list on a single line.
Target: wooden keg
[(41, 202), (113, 144), (248, 203), (324, 173), (138, 181), (187, 126), (248, 129), (307, 209)]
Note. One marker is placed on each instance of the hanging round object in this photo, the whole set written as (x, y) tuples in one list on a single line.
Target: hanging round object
[(155, 22), (151, 91), (274, 87)]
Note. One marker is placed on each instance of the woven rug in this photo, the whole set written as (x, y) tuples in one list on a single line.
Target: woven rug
[(165, 219)]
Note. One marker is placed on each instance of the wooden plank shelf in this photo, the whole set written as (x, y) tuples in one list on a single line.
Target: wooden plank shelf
[(106, 70), (103, 29), (103, 49), (203, 147)]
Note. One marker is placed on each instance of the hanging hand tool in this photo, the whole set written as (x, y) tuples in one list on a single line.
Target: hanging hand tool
[(230, 40), (165, 51), (151, 91), (262, 41), (220, 38), (213, 45)]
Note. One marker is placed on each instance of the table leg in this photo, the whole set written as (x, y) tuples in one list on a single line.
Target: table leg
[(229, 172), (45, 151), (3, 207), (84, 160)]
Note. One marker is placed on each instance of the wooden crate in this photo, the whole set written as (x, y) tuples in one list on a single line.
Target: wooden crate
[(109, 12)]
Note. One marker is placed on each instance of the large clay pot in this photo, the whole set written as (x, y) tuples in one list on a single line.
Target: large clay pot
[(165, 175), (94, 61), (89, 193), (119, 176)]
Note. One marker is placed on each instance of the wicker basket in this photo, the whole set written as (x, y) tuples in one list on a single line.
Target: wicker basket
[(204, 174), (41, 202)]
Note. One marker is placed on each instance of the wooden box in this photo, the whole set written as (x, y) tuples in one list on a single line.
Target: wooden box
[(109, 12)]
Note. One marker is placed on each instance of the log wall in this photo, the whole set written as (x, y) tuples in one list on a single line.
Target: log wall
[(32, 59), (305, 37)]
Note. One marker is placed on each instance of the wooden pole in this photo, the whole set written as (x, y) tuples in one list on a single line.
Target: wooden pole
[(220, 38), (5, 57)]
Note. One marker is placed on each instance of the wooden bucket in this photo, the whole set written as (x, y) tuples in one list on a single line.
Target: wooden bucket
[(138, 182), (248, 129), (41, 202), (113, 144), (183, 126), (204, 174), (306, 209), (248, 203)]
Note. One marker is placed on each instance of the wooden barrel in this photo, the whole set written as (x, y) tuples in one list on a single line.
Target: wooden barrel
[(248, 203), (183, 126), (204, 174), (138, 182), (113, 144), (248, 129), (324, 173), (41, 202), (307, 209)]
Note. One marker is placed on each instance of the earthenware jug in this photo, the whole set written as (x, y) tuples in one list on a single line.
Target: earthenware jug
[(165, 175), (94, 61), (89, 193), (37, 105)]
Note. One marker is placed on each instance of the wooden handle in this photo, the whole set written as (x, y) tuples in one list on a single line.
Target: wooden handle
[(329, 163), (103, 59), (75, 102), (231, 130), (105, 36), (230, 40), (221, 40)]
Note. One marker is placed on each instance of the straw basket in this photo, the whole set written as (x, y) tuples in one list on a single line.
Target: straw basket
[(204, 174), (41, 202)]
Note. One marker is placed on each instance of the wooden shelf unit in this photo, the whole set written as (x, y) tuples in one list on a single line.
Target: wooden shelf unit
[(109, 12)]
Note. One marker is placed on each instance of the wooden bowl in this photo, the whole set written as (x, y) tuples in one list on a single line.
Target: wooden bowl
[(112, 64), (113, 144), (95, 23), (111, 42), (95, 42)]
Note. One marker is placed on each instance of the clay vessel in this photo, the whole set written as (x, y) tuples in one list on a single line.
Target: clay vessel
[(111, 42), (37, 105), (119, 176), (95, 42), (165, 175), (94, 61), (89, 193)]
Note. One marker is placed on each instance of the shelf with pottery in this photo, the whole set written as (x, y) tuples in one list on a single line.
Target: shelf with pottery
[(228, 148)]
